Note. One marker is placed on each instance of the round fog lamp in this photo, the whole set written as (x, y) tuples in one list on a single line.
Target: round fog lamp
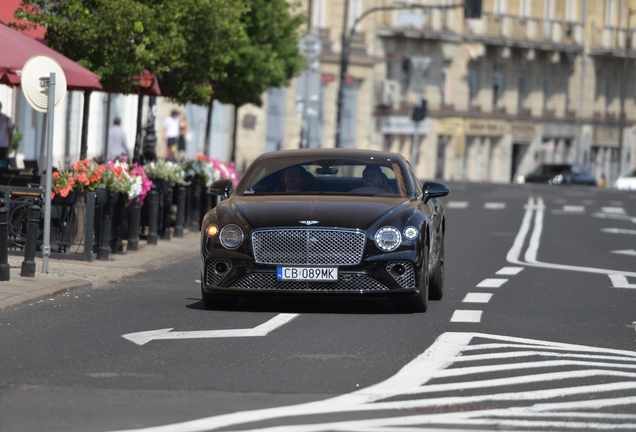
[(388, 238), (410, 232), (212, 230), (231, 236)]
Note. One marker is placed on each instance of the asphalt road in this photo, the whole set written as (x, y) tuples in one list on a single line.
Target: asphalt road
[(532, 334)]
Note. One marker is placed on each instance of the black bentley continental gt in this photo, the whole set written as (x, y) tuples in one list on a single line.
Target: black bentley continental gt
[(325, 222)]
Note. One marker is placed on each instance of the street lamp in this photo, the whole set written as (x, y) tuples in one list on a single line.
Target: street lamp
[(621, 118)]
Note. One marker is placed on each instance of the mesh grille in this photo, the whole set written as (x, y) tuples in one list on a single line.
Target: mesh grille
[(211, 276), (407, 280), (268, 281), (305, 246)]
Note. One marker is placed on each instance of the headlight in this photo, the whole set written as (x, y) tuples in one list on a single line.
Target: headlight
[(231, 236), (212, 230), (558, 179), (410, 232), (521, 179), (388, 238)]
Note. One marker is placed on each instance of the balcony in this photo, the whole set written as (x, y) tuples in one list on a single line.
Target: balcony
[(325, 38), (528, 32), (434, 23), (610, 40)]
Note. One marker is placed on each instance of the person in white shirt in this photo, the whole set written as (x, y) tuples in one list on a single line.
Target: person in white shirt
[(117, 142), (171, 132), (6, 134)]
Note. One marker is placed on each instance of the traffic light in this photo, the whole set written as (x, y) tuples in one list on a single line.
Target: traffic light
[(472, 9), (420, 111)]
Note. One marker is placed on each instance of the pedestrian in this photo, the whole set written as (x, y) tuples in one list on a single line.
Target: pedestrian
[(171, 132), (184, 129), (602, 182), (117, 142), (6, 138)]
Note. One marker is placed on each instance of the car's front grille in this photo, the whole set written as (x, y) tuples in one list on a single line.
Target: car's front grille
[(308, 246), (346, 283)]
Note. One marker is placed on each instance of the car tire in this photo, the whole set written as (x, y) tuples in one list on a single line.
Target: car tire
[(218, 301), (436, 286)]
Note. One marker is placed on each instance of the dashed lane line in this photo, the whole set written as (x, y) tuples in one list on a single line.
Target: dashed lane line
[(477, 298), (509, 271), (491, 283), (470, 316)]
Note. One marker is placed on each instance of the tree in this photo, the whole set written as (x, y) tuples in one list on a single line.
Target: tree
[(270, 58)]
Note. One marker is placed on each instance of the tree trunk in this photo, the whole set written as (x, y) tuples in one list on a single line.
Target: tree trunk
[(84, 142), (140, 107), (208, 128), (234, 130)]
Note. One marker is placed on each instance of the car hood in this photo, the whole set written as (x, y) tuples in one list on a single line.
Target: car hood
[(350, 212)]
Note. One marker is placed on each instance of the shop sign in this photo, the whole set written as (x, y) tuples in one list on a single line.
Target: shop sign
[(403, 125), (605, 135), (523, 130), (450, 126), (484, 127)]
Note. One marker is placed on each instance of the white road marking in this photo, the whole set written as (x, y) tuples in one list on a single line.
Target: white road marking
[(530, 257), (618, 231), (614, 216), (491, 283), (141, 338), (620, 281), (509, 271), (472, 316), (613, 210), (477, 298), (573, 209), (588, 405), (494, 206), (456, 204), (630, 252)]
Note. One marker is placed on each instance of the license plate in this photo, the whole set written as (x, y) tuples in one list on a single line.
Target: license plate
[(324, 274)]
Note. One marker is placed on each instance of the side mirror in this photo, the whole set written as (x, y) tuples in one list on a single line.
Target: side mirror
[(222, 188), (434, 190)]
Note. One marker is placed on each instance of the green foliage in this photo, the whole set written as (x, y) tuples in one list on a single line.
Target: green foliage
[(15, 142), (270, 58)]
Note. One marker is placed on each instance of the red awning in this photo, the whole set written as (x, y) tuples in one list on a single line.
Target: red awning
[(18, 48), (7, 10)]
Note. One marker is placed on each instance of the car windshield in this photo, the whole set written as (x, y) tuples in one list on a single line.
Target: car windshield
[(551, 169), (630, 173), (287, 176)]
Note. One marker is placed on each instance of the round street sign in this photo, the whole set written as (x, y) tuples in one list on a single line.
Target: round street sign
[(310, 46)]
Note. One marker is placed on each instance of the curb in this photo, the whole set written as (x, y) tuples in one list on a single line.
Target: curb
[(45, 292)]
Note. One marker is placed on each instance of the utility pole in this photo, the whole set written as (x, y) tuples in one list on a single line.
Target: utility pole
[(582, 88), (344, 58), (621, 118)]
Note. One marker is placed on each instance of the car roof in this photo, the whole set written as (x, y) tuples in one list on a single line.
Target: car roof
[(329, 153)]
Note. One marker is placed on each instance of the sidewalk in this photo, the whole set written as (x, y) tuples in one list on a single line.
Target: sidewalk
[(68, 275)]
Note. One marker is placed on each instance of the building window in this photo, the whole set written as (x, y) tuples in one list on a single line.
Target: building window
[(444, 85), (319, 14), (610, 12), (497, 86), (499, 7), (525, 9), (405, 78), (547, 88), (355, 10), (522, 91), (608, 92), (472, 83), (570, 10)]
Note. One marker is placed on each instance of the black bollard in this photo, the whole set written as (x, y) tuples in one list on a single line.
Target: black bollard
[(181, 200), (5, 268), (153, 213), (107, 219), (167, 213), (119, 214), (33, 228), (133, 227), (195, 203)]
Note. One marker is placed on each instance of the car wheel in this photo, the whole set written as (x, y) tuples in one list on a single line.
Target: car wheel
[(218, 301), (436, 287)]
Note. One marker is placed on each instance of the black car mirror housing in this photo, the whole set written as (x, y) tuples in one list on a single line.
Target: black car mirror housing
[(222, 188), (434, 190)]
